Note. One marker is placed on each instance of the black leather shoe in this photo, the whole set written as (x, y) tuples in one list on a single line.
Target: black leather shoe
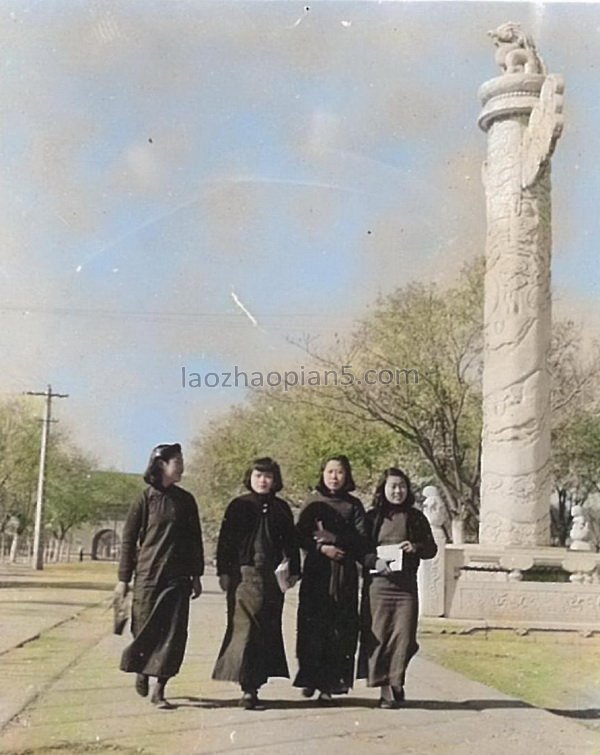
[(325, 698), (341, 689), (141, 685), (308, 691), (163, 704), (249, 701), (387, 704)]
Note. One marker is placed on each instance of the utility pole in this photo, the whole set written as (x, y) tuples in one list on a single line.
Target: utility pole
[(37, 561)]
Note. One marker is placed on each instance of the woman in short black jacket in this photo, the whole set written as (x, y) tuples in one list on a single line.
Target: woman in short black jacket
[(257, 534)]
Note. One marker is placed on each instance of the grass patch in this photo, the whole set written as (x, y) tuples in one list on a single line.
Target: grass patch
[(81, 575), (96, 571), (537, 669)]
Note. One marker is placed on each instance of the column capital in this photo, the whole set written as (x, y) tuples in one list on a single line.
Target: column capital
[(512, 94)]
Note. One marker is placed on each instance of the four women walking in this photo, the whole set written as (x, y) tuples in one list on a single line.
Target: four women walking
[(162, 549)]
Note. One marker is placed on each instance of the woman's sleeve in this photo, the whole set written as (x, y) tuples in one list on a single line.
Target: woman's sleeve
[(196, 545), (361, 546), (426, 546), (292, 544), (226, 545), (371, 554), (129, 540), (305, 528)]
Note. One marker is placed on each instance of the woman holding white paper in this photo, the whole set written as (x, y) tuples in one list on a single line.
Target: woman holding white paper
[(400, 536)]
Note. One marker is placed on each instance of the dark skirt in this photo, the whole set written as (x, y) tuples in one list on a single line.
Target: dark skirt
[(252, 648), (159, 624), (327, 632), (388, 631)]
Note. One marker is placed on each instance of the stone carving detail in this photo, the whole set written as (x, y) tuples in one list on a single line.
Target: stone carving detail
[(434, 507), (544, 129), (495, 528), (431, 574), (566, 602), (522, 115), (517, 563), (516, 52), (580, 531)]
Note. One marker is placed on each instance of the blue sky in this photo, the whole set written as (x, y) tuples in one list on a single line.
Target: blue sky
[(308, 160)]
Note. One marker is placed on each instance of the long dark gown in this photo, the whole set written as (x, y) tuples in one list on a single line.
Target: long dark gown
[(328, 602), (162, 546), (389, 609), (256, 534)]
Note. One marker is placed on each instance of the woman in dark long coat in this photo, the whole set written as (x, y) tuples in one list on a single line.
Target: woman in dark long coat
[(390, 600), (257, 535), (332, 532), (162, 547)]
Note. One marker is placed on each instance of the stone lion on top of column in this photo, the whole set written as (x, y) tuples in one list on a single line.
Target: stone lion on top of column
[(516, 51)]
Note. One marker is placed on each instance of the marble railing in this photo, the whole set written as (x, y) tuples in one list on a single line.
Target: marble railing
[(486, 583)]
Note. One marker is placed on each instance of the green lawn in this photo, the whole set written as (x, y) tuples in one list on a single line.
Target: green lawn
[(93, 574), (550, 670)]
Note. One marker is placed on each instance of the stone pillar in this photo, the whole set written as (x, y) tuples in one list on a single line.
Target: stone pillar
[(522, 116)]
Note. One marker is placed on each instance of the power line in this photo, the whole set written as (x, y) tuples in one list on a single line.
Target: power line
[(83, 312)]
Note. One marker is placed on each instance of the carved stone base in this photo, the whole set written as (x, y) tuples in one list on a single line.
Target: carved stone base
[(519, 601), (487, 584)]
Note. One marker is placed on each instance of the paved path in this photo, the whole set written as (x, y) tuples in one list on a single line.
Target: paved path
[(62, 693)]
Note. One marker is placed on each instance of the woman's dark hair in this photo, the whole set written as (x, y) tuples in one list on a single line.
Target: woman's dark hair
[(348, 485), (162, 452), (379, 498), (265, 464)]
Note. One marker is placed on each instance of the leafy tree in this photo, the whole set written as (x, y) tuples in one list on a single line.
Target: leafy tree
[(575, 369), (76, 493), (429, 342), (19, 454), (576, 468), (299, 435), (423, 349)]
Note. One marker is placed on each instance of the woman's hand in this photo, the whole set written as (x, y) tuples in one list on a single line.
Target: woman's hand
[(382, 566), (325, 537), (332, 552), (121, 589), (407, 547), (224, 582), (196, 587)]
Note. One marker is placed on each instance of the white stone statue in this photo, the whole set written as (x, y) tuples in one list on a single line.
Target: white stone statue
[(516, 51), (433, 506), (580, 530), (431, 572)]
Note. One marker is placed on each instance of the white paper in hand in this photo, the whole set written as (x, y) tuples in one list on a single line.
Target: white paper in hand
[(392, 554)]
